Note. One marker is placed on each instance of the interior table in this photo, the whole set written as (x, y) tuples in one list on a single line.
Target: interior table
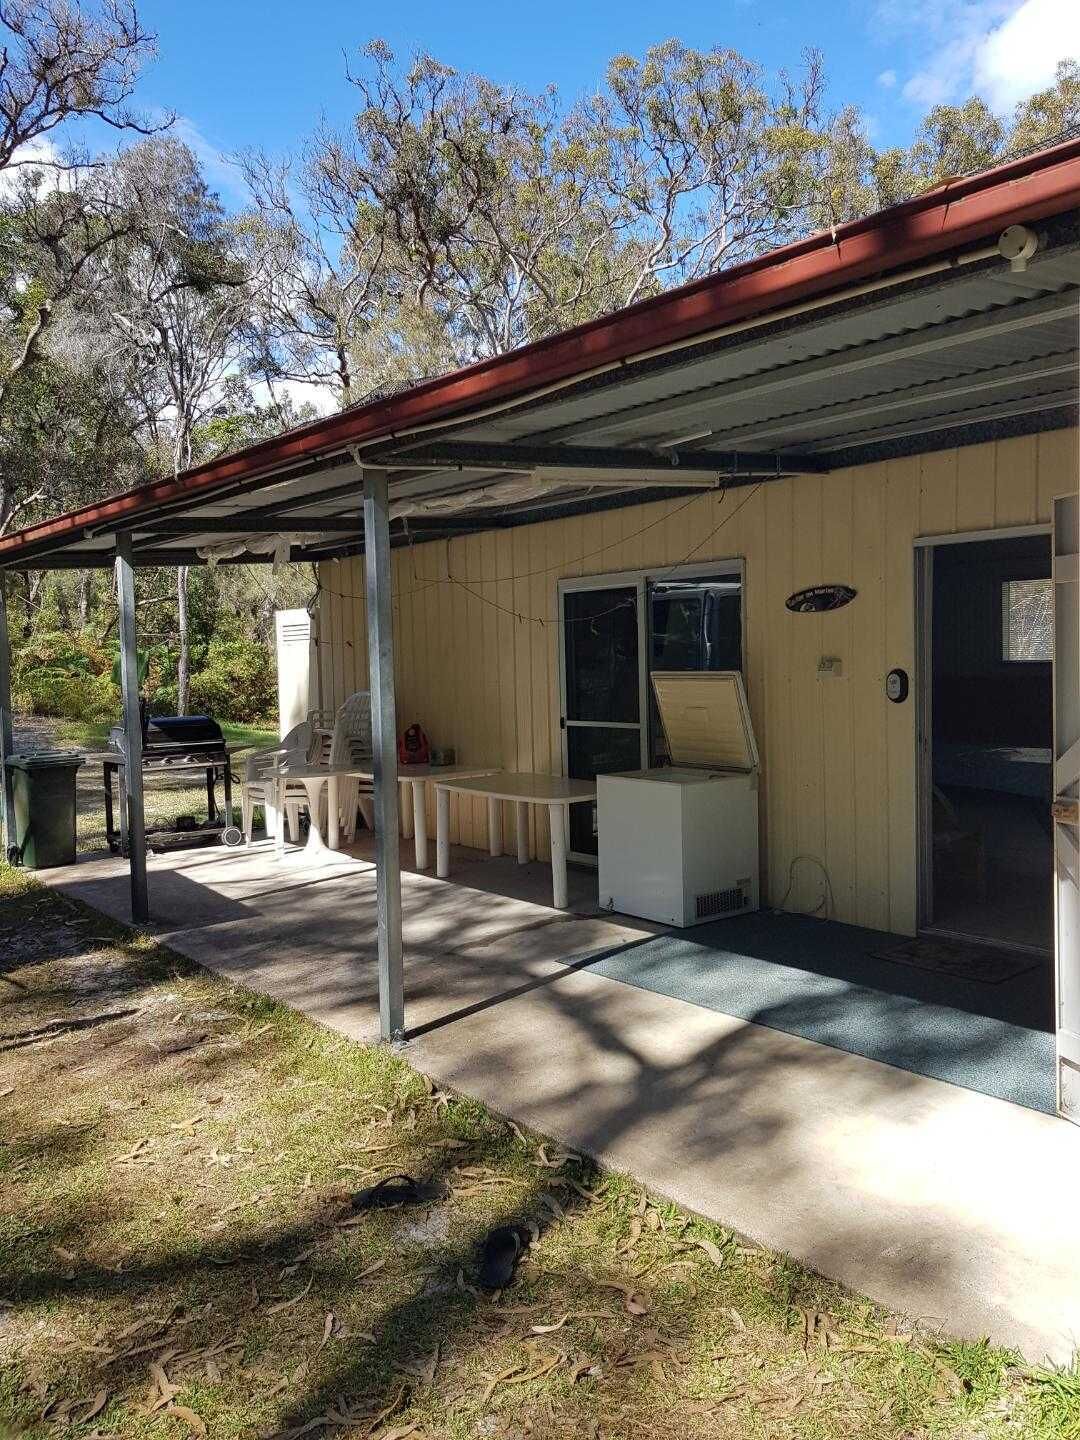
[(553, 792), (415, 778)]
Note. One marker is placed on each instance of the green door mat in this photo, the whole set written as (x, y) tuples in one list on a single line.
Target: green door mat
[(828, 982)]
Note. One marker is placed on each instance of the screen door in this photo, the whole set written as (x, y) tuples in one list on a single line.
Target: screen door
[(604, 709)]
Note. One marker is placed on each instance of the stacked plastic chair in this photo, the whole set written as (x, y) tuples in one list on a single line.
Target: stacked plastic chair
[(263, 767), (351, 745)]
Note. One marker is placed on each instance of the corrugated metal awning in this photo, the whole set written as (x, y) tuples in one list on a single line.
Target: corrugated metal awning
[(959, 349)]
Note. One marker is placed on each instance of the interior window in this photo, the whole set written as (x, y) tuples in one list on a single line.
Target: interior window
[(1027, 620), (695, 624)]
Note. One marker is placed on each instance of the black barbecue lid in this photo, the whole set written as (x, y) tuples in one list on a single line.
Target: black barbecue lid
[(184, 729), (175, 733)]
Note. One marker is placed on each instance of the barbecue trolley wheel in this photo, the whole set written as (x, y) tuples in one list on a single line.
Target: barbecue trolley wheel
[(232, 836)]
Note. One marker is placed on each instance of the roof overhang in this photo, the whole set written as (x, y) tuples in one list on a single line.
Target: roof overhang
[(906, 331)]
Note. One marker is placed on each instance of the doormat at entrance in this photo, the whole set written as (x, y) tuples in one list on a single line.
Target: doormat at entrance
[(961, 960)]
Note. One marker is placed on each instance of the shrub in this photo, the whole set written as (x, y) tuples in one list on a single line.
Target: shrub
[(58, 676), (67, 696), (236, 682)]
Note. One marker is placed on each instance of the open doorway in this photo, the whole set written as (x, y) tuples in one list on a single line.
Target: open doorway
[(988, 853)]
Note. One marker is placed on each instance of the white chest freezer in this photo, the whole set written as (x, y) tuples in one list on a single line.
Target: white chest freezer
[(679, 843)]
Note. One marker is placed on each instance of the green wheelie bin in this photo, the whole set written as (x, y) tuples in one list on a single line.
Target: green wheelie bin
[(44, 787)]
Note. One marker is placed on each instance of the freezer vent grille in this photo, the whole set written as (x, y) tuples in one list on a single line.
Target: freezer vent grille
[(722, 902)]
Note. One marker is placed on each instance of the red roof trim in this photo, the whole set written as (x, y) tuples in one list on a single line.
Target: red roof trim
[(959, 213)]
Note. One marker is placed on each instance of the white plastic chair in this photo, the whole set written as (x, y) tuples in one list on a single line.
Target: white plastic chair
[(351, 745), (348, 743), (261, 770)]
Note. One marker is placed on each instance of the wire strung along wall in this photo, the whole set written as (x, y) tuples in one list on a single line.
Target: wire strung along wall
[(466, 583)]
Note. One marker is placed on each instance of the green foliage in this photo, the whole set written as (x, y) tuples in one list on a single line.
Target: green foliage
[(235, 682), (78, 679), (1055, 1401), (59, 676), (1049, 114), (142, 669)]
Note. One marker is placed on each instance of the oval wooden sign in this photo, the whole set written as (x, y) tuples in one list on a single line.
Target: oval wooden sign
[(820, 597)]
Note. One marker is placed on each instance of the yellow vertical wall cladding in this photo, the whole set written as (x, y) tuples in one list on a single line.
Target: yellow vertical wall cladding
[(476, 644)]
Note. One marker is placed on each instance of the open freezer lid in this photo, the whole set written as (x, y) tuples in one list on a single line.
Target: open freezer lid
[(706, 719)]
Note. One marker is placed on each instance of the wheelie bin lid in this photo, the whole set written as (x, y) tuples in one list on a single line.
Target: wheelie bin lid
[(47, 759)]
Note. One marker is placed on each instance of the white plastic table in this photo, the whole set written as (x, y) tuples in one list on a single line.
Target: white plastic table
[(313, 778), (414, 808), (554, 792)]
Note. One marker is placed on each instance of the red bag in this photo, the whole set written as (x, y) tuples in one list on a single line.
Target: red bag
[(414, 747)]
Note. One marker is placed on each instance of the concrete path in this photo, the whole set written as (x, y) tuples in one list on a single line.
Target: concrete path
[(937, 1201)]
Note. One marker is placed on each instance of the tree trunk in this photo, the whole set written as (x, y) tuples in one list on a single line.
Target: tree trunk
[(183, 666), (63, 604), (344, 375), (28, 587), (84, 599)]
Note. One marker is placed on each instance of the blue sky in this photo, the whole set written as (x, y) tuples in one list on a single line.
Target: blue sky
[(241, 73)]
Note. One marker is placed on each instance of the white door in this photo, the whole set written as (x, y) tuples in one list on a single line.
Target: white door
[(1067, 799)]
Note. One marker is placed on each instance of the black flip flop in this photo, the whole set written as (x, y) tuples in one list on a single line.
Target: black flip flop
[(395, 1190), (499, 1253)]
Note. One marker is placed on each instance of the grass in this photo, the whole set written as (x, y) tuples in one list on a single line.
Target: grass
[(180, 1258), (94, 734)]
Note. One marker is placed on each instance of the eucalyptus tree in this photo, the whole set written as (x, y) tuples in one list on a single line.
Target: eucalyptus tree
[(321, 280), (481, 215), (48, 240), (59, 60), (504, 217), (173, 293), (953, 140), (1050, 114), (703, 160)]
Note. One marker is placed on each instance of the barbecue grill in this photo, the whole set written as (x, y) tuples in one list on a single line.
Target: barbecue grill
[(176, 740), (173, 744)]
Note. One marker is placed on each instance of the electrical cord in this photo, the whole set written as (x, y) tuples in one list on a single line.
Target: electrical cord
[(827, 894)]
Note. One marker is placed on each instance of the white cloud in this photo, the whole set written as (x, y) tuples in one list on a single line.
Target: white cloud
[(887, 79), (1003, 50), (221, 172), (1020, 55), (299, 392)]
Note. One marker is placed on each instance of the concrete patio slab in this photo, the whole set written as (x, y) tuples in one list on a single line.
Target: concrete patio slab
[(937, 1201)]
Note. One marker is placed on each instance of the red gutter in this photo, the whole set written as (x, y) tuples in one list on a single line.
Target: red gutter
[(947, 218)]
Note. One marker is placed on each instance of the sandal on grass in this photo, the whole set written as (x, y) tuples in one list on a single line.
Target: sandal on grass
[(395, 1190), (499, 1253)]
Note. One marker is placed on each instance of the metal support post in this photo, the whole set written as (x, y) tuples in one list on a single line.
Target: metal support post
[(380, 635), (131, 794)]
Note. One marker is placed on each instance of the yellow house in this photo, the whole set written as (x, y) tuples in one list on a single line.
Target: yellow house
[(478, 656), (846, 471)]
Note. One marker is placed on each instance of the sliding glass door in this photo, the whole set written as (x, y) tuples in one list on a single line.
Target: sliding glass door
[(604, 706), (617, 629)]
